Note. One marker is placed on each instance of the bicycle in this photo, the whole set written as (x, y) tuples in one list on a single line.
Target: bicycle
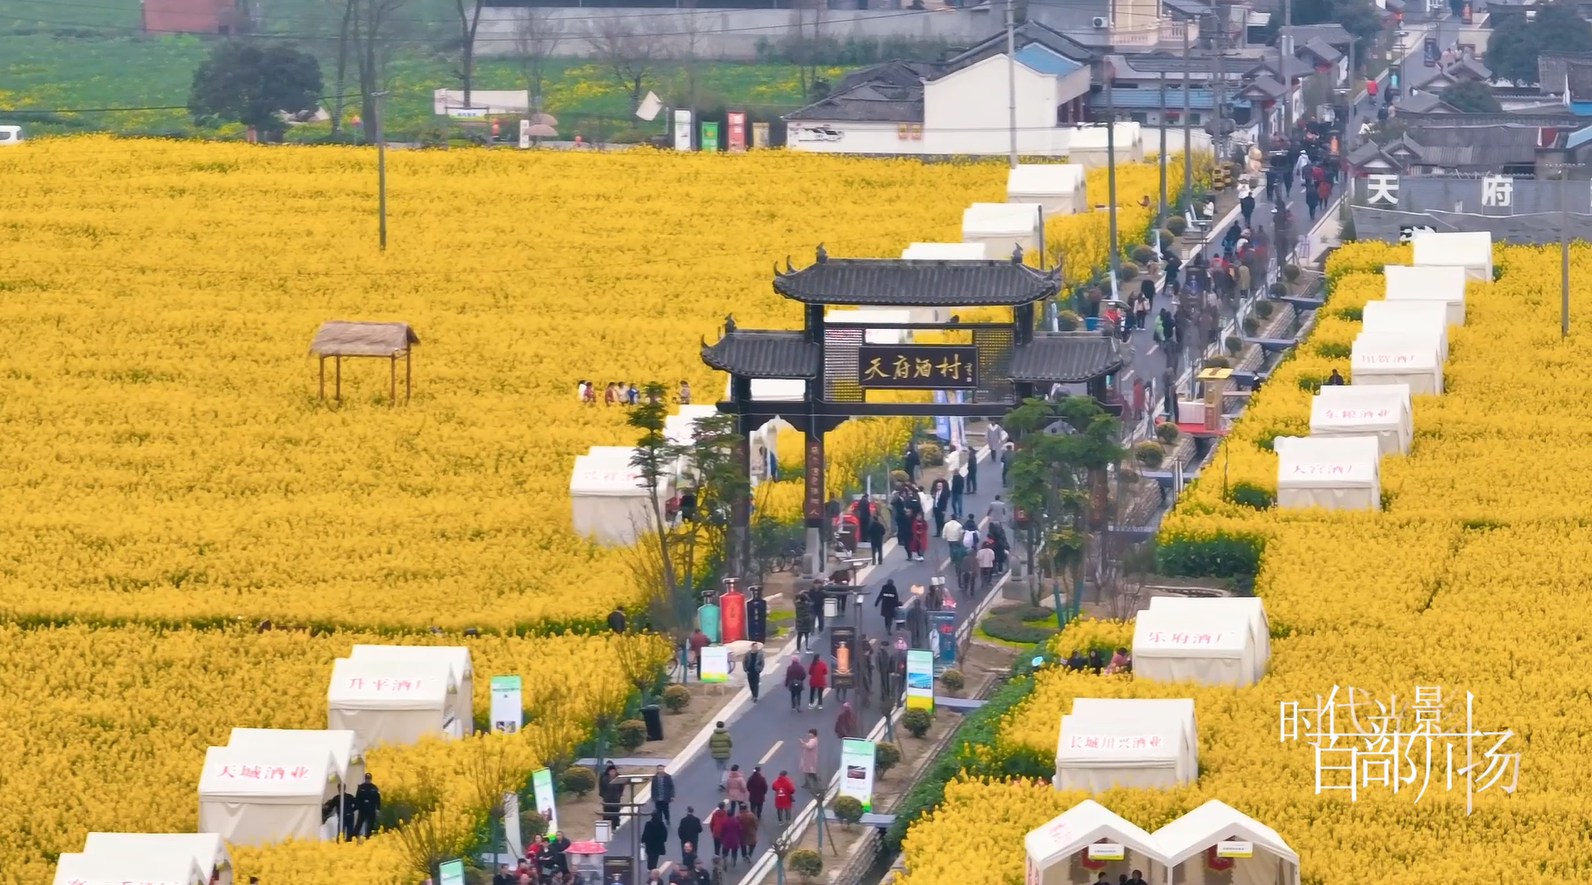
[(677, 667)]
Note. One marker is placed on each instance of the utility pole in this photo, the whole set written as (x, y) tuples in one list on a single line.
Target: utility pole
[(1218, 138), (1011, 75), (1188, 130), (1564, 253), (1160, 219), (1111, 177), (381, 171), (1285, 53)]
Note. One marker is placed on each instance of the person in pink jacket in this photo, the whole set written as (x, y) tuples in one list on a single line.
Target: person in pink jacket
[(735, 789), (809, 760)]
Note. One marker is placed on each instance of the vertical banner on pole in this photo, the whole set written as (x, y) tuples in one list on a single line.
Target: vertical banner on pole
[(843, 648), (546, 803), (920, 679), (856, 762), (508, 709), (737, 134), (525, 134), (682, 130), (942, 424), (710, 136), (715, 663), (511, 825)]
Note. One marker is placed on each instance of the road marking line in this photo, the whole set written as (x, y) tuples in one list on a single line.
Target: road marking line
[(770, 754)]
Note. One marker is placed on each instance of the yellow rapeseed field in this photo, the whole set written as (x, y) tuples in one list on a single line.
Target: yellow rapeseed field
[(1474, 580)]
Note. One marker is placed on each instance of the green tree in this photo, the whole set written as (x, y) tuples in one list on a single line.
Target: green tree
[(1358, 17), (1514, 46), (251, 83), (1065, 450), (1472, 97)]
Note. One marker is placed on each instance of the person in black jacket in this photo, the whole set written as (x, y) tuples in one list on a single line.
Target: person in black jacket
[(616, 620), (752, 663), (367, 805), (662, 792), (654, 837), (690, 829)]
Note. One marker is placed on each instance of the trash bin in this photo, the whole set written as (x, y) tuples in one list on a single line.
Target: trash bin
[(653, 716)]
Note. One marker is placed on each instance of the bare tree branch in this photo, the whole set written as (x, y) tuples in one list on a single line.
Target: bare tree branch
[(469, 22), (629, 51), (537, 34)]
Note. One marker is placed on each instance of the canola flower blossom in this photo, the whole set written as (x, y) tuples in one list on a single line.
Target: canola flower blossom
[(1472, 580)]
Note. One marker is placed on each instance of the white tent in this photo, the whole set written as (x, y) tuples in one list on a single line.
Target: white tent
[(1416, 318), (944, 251), (348, 766), (1248, 607), (1126, 743), (1191, 836), (606, 497), (1210, 648), (252, 797), (1469, 249), (177, 868), (870, 316), (391, 702), (680, 428), (1401, 359), (456, 657), (1086, 145), (208, 850), (1334, 472), (1002, 227), (1445, 285), (1058, 187), (1380, 410), (1056, 851)]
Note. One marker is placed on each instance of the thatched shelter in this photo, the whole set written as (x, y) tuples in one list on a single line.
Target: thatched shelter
[(389, 341)]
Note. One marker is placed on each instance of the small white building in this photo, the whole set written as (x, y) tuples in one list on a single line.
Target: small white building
[(608, 499), (1471, 250), (1058, 188), (208, 850), (1056, 852), (1208, 648), (392, 701), (1091, 146), (1003, 227), (1379, 410), (1397, 359), (251, 797), (1444, 284), (1335, 472), (1126, 742), (1409, 317), (1216, 834)]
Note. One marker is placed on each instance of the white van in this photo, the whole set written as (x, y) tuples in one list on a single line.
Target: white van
[(10, 135)]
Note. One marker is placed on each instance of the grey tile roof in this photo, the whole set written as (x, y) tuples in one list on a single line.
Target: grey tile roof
[(1481, 148), (1321, 49), (1023, 35), (1469, 67), (900, 282), (1334, 35), (1066, 357), (1551, 68), (866, 102), (1289, 66), (1423, 103), (1264, 86), (761, 353), (1562, 118)]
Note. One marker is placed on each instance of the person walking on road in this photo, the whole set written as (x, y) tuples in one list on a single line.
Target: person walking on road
[(888, 600), (996, 512), (654, 839), (689, 831), (719, 745), (747, 826), (804, 622), (662, 792), (756, 790), (730, 838), (735, 788), (795, 679), (716, 829), (752, 663), (784, 797), (809, 760), (846, 722), (971, 471), (817, 681), (876, 539)]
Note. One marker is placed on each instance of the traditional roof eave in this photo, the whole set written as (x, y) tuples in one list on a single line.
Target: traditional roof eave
[(1067, 358), (902, 282), (763, 353)]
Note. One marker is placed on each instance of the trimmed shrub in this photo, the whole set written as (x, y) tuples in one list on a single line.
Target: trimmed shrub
[(952, 679), (1177, 224), (1143, 254), (577, 780), (1247, 494), (1220, 555), (848, 809), (630, 734), (676, 698), (1149, 453), (805, 863), (886, 755), (1264, 309), (1277, 290), (917, 721), (1235, 343), (1290, 272), (1009, 629), (1069, 321), (1166, 432)]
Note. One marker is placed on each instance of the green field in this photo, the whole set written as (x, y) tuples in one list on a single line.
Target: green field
[(63, 64)]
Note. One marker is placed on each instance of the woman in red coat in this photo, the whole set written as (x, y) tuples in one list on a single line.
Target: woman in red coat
[(920, 536), (817, 681), (784, 795)]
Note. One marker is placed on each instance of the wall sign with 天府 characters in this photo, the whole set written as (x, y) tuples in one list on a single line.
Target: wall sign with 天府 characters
[(918, 366)]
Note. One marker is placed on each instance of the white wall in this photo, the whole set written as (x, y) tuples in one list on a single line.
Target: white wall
[(1174, 139), (856, 138), (968, 112)]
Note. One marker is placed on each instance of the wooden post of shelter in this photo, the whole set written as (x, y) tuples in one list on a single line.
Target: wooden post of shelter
[(340, 338)]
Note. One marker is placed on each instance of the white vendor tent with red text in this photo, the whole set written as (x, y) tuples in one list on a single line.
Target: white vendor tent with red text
[(177, 868), (1402, 359), (1467, 249), (1209, 648), (1334, 472), (1190, 845), (208, 850), (456, 657), (252, 797), (1417, 318), (1379, 410), (607, 498), (348, 766), (1060, 188), (1058, 852), (1250, 608), (391, 702), (1444, 285), (1126, 742), (1002, 227)]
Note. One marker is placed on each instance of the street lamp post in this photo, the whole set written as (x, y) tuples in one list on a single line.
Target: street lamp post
[(381, 171)]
